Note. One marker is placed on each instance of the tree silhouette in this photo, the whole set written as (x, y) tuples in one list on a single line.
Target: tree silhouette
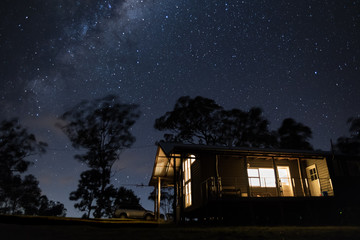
[(350, 145), (294, 135), (51, 208), (18, 195), (125, 196), (245, 129), (203, 121), (166, 197), (87, 192), (102, 128), (191, 121)]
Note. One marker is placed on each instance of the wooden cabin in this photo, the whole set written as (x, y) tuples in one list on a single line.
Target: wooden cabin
[(252, 186)]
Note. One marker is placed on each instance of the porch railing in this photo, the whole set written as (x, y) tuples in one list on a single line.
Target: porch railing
[(239, 187)]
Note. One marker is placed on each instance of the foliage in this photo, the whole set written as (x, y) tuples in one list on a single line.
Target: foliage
[(166, 199), (102, 128), (245, 129), (202, 120), (125, 196), (18, 195), (16, 144), (50, 208), (350, 145), (88, 189), (294, 135), (191, 121), (21, 196)]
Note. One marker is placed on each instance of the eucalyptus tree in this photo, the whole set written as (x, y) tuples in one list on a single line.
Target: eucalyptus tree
[(102, 128), (19, 193)]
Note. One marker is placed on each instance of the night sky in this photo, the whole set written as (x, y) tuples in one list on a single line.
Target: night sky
[(296, 59)]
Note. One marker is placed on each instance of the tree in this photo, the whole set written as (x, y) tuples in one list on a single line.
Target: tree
[(125, 196), (191, 121), (102, 128), (245, 129), (88, 189), (166, 199), (51, 208), (203, 121), (294, 135), (18, 195), (350, 145)]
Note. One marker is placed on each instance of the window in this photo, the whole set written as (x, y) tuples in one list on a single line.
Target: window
[(261, 177), (187, 179)]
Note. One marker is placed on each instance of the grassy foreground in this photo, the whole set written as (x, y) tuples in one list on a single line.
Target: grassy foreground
[(73, 229), (78, 232)]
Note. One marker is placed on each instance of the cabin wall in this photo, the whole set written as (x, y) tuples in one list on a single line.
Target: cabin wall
[(323, 172), (208, 165), (232, 171)]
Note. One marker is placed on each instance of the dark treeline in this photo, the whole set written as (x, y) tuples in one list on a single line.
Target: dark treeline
[(203, 121), (21, 194), (102, 128)]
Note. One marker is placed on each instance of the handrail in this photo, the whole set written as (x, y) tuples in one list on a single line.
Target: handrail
[(239, 187)]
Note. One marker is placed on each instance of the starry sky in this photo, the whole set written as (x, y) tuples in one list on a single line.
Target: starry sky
[(296, 59)]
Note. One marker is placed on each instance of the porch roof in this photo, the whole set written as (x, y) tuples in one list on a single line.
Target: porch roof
[(167, 152)]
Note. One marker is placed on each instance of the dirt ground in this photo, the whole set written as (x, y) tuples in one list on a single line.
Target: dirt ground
[(79, 232)]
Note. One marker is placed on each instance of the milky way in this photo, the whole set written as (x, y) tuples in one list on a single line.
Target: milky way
[(298, 60)]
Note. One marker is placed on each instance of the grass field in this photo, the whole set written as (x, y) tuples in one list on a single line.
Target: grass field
[(79, 232), (75, 229)]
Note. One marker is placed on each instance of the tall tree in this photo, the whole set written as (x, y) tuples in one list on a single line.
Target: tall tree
[(350, 145), (294, 135), (102, 128), (18, 195), (87, 191), (245, 129), (191, 121), (203, 121)]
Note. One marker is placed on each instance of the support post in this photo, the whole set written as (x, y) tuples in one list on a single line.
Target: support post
[(158, 198), (248, 189), (276, 177), (175, 192), (301, 178)]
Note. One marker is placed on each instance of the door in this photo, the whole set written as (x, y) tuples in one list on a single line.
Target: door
[(285, 182), (313, 180)]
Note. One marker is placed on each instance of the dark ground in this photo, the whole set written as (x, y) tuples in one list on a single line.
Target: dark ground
[(15, 227), (78, 232), (88, 232)]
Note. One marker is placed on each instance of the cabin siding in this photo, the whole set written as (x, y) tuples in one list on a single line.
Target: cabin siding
[(324, 176)]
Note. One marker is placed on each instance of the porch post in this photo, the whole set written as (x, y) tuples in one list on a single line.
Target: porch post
[(175, 192), (276, 177), (301, 178), (155, 202), (247, 176), (158, 198)]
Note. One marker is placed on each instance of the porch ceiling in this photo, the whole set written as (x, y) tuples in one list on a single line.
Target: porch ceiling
[(164, 168)]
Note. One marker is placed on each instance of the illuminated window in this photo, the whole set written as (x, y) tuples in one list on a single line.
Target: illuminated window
[(187, 179), (261, 177)]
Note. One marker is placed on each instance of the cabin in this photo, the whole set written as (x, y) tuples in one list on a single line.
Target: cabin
[(246, 185)]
